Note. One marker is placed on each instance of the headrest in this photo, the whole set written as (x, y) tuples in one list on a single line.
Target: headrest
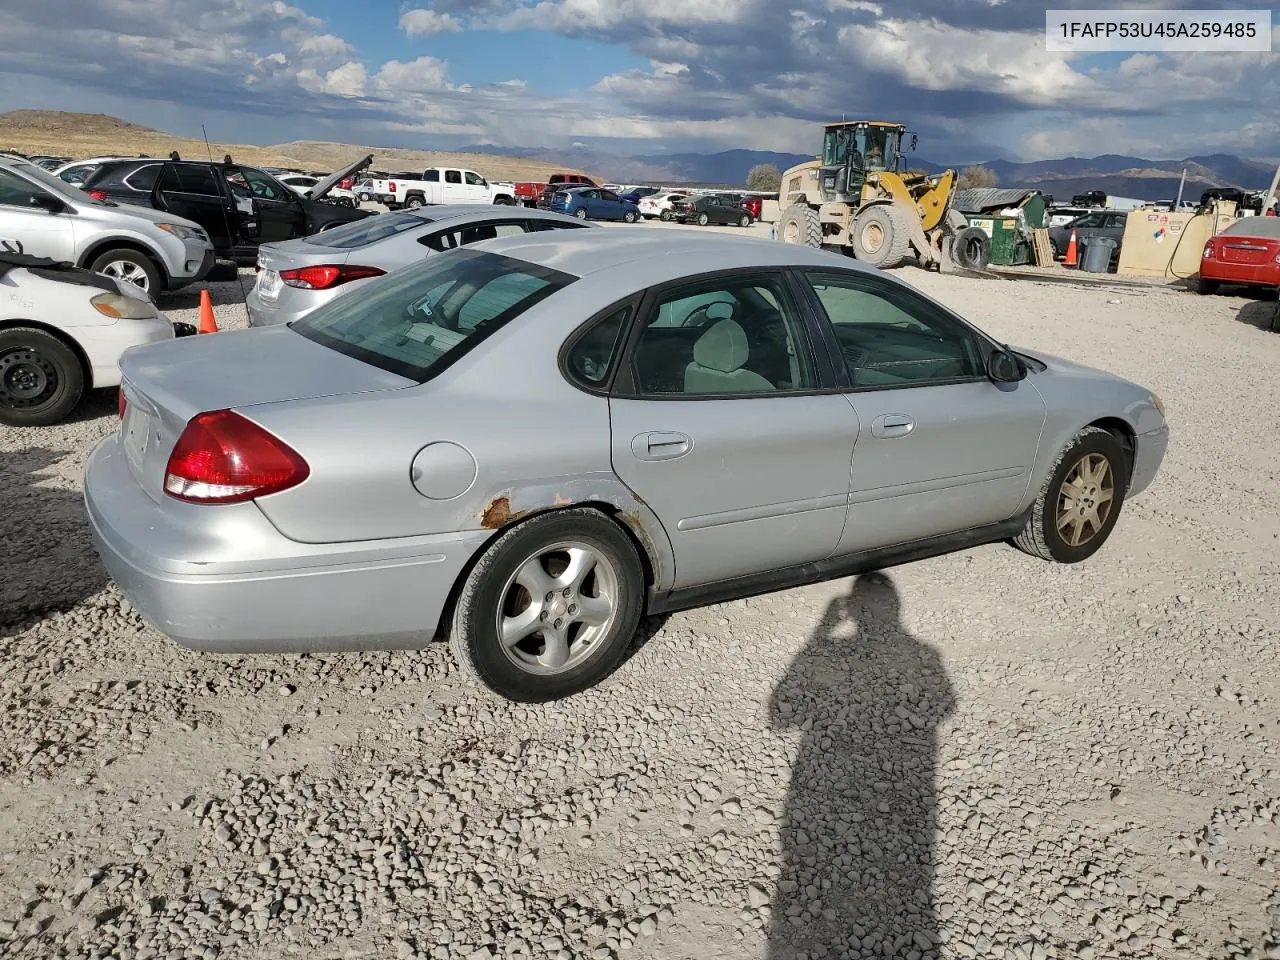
[(723, 347)]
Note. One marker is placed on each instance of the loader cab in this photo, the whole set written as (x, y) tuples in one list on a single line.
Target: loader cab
[(853, 149)]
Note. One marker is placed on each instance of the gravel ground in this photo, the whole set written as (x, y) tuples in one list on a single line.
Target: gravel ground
[(977, 756)]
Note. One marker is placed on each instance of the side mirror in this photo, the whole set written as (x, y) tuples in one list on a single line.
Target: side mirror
[(46, 202), (1004, 367), (915, 138)]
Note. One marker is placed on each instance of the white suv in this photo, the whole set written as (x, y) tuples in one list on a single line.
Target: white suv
[(42, 216)]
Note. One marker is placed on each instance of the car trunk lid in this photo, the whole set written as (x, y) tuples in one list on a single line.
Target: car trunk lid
[(1249, 251), (166, 384)]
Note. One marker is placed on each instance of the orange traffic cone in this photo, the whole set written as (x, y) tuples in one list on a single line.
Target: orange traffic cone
[(1070, 259), (207, 323)]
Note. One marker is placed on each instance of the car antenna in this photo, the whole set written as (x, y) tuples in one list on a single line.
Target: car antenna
[(244, 295)]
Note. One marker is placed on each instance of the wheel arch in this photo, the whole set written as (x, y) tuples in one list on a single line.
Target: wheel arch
[(1124, 434), (124, 243), (63, 337), (509, 508)]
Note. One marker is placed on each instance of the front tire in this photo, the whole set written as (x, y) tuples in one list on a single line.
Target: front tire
[(799, 223), (41, 379), (550, 608), (130, 266), (1080, 502), (880, 237), (629, 216)]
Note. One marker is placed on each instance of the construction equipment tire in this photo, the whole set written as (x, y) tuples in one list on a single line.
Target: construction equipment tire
[(880, 237), (971, 249), (799, 224)]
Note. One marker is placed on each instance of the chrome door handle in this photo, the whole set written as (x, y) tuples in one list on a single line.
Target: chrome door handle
[(892, 425), (661, 445)]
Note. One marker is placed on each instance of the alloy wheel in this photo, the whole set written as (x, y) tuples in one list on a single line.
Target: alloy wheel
[(1085, 499)]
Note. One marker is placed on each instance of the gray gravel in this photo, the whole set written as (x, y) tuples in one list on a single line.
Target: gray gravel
[(979, 756)]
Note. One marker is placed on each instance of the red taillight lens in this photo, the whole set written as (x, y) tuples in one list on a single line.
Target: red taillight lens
[(328, 275), (391, 187), (121, 402), (1208, 250), (223, 457), (97, 194)]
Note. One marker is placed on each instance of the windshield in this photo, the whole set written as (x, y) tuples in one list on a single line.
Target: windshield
[(418, 321), (1268, 227), (882, 148), (361, 233), (53, 184)]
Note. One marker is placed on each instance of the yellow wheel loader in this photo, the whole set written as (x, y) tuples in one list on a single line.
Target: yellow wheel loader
[(857, 199)]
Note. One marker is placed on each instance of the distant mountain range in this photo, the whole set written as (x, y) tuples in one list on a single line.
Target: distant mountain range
[(1123, 176)]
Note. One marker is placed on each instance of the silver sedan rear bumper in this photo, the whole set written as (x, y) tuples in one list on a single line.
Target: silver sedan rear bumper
[(223, 579)]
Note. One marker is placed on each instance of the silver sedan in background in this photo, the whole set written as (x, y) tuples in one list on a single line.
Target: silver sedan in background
[(529, 443), (296, 276)]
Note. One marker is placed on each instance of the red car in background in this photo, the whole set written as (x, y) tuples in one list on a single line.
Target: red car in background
[(753, 206), (1246, 252)]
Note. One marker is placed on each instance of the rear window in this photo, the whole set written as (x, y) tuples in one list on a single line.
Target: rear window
[(1268, 227), (418, 321), (361, 233)]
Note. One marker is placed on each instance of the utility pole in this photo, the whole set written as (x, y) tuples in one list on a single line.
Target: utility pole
[(1181, 183)]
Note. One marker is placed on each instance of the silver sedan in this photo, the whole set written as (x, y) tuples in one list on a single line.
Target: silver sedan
[(296, 276), (528, 443)]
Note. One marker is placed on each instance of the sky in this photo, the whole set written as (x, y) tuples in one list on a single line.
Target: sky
[(634, 77)]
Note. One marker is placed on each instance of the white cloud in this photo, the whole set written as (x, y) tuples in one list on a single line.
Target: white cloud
[(423, 75), (425, 23), (324, 46)]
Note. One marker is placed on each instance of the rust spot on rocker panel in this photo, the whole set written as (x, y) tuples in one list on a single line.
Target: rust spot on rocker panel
[(496, 514)]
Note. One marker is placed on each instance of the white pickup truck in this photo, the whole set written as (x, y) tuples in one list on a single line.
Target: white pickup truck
[(439, 185)]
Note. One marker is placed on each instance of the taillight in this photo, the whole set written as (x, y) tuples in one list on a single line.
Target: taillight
[(97, 194), (121, 403), (223, 457), (1208, 250), (326, 276), (392, 186)]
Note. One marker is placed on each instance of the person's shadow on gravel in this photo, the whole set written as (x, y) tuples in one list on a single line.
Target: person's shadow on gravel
[(858, 833)]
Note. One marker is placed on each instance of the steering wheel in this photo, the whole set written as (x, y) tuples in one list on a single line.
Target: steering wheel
[(703, 314)]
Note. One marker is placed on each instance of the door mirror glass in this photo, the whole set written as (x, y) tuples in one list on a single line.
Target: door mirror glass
[(1005, 367)]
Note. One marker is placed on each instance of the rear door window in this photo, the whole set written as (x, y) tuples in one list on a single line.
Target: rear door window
[(453, 176), (189, 178), (474, 233)]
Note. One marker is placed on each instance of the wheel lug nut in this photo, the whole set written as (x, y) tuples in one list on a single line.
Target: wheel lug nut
[(559, 622), (573, 608), (550, 597), (543, 615), (567, 591)]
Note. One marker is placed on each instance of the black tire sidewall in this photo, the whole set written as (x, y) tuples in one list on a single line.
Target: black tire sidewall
[(70, 378), (1094, 441), (154, 280), (960, 248), (474, 622)]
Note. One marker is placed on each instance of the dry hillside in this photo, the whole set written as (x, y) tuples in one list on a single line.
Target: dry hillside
[(90, 134)]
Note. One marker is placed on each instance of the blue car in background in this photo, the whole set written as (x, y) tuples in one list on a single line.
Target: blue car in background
[(594, 203)]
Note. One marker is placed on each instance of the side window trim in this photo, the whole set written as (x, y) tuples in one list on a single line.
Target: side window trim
[(624, 386), (802, 278)]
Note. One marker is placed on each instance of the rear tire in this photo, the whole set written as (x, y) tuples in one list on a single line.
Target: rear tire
[(971, 248), (703, 219), (1206, 288), (132, 267), (41, 379), (880, 238), (494, 596), (1071, 500), (665, 216), (799, 223), (413, 203), (581, 213), (746, 220)]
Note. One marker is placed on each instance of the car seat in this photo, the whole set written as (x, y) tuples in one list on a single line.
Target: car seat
[(718, 358)]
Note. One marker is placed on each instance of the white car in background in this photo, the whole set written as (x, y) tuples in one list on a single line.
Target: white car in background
[(659, 204), (302, 184), (62, 331)]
